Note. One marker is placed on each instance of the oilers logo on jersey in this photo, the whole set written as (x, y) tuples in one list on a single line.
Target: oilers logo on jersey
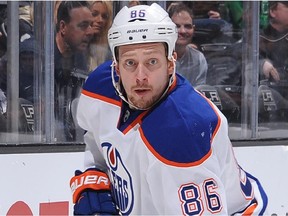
[(121, 180)]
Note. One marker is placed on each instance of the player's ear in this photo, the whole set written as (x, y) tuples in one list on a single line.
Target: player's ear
[(117, 68), (174, 56)]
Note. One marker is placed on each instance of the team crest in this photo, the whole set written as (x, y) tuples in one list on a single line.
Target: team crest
[(121, 180)]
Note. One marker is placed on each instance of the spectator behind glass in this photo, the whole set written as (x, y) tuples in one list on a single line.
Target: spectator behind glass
[(102, 19), (28, 49), (73, 35), (25, 32), (191, 63), (274, 43)]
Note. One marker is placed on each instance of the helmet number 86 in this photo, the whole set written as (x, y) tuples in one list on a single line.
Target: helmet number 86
[(137, 14)]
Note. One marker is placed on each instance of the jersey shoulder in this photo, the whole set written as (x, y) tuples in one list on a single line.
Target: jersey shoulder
[(99, 83), (180, 130)]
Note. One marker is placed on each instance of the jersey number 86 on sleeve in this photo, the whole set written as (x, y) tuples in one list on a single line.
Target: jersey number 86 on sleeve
[(192, 201)]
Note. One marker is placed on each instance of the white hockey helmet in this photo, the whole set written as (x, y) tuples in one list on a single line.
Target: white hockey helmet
[(142, 24)]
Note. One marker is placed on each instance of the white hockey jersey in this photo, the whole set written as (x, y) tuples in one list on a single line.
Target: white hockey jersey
[(175, 159)]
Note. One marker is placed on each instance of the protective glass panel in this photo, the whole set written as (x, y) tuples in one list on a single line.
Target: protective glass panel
[(237, 57), (20, 70), (80, 46)]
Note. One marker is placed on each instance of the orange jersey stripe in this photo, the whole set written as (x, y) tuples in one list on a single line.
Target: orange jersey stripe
[(250, 210), (172, 163), (102, 98)]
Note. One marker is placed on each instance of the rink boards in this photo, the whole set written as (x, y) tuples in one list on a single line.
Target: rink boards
[(38, 183)]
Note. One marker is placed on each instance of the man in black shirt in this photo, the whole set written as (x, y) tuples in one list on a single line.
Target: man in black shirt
[(73, 35), (274, 42)]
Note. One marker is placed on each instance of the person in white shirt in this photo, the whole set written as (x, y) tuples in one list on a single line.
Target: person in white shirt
[(191, 63)]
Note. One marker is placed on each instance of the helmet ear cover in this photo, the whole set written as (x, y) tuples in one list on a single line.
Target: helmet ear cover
[(142, 24)]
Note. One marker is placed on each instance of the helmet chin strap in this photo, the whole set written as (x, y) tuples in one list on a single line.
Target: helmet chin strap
[(120, 94)]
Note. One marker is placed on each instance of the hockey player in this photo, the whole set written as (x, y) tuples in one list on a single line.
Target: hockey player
[(155, 146)]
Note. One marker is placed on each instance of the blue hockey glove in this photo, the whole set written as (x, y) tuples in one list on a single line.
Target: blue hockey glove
[(92, 193)]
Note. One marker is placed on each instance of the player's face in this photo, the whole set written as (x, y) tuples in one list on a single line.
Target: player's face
[(78, 32), (185, 28), (144, 71)]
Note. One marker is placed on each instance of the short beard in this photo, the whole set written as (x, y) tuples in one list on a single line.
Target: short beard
[(145, 104)]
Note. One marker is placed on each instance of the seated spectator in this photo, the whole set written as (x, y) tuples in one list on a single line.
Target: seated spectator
[(273, 43), (191, 63), (25, 31), (273, 46), (28, 50), (25, 120), (102, 19), (73, 36)]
